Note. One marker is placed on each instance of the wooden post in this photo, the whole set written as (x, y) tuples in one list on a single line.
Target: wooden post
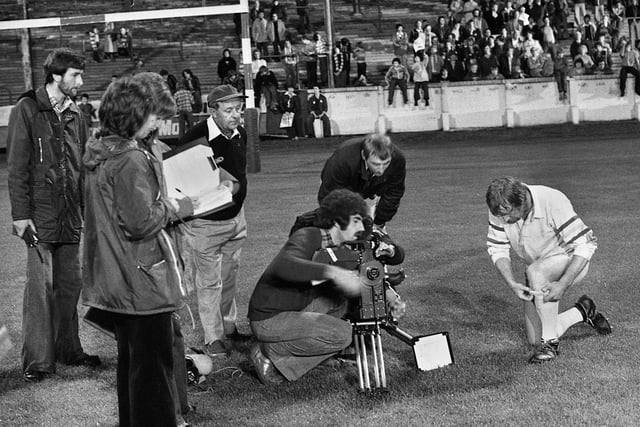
[(328, 19), (25, 48)]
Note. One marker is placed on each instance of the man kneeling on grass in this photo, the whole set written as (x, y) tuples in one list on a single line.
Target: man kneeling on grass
[(542, 228), (298, 306)]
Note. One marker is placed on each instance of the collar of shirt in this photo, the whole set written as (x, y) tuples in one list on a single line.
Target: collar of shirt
[(59, 107), (535, 212), (214, 130), (327, 241)]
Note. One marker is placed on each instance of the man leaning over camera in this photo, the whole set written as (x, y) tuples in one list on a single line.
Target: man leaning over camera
[(297, 308)]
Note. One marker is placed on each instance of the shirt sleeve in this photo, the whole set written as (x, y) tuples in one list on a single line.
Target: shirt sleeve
[(573, 235), (498, 244)]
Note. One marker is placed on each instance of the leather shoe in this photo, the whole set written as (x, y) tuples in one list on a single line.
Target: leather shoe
[(545, 352), (35, 376), (591, 317), (85, 359), (267, 373)]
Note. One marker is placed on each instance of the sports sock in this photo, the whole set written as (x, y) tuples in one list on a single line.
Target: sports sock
[(548, 312), (567, 319)]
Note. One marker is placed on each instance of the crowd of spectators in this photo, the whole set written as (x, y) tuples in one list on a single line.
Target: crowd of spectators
[(109, 43)]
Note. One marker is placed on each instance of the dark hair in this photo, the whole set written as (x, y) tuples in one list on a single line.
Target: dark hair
[(399, 25), (84, 95), (59, 61), (164, 72), (338, 206), (129, 101), (396, 60), (378, 145), (507, 192)]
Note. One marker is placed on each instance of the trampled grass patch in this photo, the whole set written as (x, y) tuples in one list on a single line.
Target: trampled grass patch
[(451, 286)]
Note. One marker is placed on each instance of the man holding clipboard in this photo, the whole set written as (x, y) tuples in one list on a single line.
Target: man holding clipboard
[(214, 240)]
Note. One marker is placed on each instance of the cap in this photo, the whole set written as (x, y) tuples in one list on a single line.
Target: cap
[(223, 93)]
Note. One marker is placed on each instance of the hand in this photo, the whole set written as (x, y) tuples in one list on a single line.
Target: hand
[(553, 291), (397, 307), (228, 184), (20, 225), (385, 249), (347, 281), (522, 291)]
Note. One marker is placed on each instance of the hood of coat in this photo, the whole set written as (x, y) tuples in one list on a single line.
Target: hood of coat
[(98, 150)]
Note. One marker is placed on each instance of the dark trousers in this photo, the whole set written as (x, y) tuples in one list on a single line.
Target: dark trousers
[(623, 79), (324, 70), (312, 73), (402, 83), (361, 69), (145, 375), (264, 50), (416, 92), (185, 121), (326, 125), (49, 313)]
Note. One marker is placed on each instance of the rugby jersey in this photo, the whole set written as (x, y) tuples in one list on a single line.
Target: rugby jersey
[(551, 228)]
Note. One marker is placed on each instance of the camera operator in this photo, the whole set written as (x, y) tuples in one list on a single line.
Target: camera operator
[(297, 308), (373, 167)]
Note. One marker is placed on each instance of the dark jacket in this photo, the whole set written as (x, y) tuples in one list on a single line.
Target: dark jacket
[(234, 160), (45, 171), (130, 265), (346, 169)]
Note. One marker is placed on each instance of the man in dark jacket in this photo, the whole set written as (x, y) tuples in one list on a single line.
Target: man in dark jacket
[(318, 108), (371, 166), (215, 240), (45, 141)]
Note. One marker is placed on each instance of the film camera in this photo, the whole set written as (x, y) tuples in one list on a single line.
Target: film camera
[(370, 312)]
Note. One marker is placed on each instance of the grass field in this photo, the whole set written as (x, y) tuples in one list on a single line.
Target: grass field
[(452, 287)]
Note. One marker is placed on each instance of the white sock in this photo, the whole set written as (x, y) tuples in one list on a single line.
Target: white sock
[(567, 319), (548, 312)]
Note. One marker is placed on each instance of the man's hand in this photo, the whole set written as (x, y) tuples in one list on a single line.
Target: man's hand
[(397, 307), (347, 281), (228, 184), (553, 291), (522, 291), (385, 249), (20, 225)]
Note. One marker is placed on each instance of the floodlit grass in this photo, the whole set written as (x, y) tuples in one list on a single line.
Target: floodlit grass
[(451, 287)]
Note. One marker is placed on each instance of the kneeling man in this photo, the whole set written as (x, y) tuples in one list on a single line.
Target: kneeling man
[(297, 308), (542, 228)]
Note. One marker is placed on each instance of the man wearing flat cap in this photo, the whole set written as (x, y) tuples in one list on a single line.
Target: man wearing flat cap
[(214, 242)]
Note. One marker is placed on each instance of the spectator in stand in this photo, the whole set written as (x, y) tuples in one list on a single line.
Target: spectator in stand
[(599, 10), (574, 48), (110, 39), (310, 60), (290, 64), (560, 18), (257, 63), (549, 34), (289, 103), (88, 110), (455, 11), (266, 86), (606, 30), (518, 73), (434, 63), (630, 65), (455, 69), (400, 44), (318, 107), (522, 18), (494, 19), (397, 75), (473, 74), (259, 32), (192, 84), (347, 51), (280, 10), (125, 45), (534, 63), (589, 31), (579, 9), (323, 58), (577, 69), (170, 80), (255, 9), (547, 65), (509, 17), (184, 101), (276, 33), (450, 48), (469, 51), (456, 33), (340, 76), (602, 69), (94, 41), (467, 8), (508, 62), (421, 80), (561, 68), (444, 76), (602, 52), (617, 15), (441, 30), (234, 79), (302, 7), (494, 74), (225, 64), (417, 38), (587, 59), (430, 38), (360, 55), (536, 12), (478, 21), (486, 62)]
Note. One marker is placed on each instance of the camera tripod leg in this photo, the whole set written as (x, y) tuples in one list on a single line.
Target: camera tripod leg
[(356, 342), (365, 363), (383, 374), (374, 350)]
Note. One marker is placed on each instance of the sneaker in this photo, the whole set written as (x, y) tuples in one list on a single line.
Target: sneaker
[(267, 373), (546, 351), (215, 349), (591, 317)]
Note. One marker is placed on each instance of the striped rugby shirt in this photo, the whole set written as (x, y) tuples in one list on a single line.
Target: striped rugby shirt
[(551, 228)]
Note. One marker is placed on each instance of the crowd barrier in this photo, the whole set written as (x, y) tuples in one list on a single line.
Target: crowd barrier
[(464, 105)]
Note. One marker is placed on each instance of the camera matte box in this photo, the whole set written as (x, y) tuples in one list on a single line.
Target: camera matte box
[(432, 351)]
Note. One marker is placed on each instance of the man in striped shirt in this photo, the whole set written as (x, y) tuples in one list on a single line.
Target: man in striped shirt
[(542, 228)]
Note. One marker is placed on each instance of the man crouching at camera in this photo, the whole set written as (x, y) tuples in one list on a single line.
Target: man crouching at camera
[(298, 306)]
